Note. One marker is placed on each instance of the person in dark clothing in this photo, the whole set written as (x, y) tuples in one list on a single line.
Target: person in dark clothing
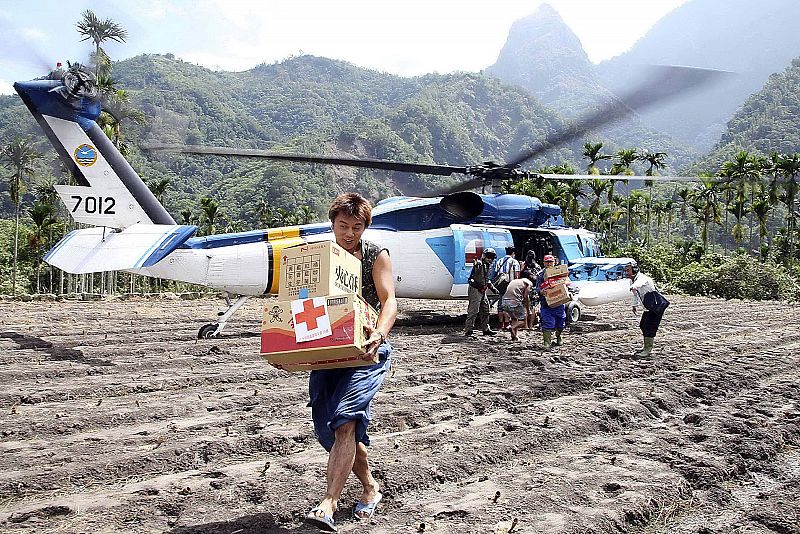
[(341, 398), (478, 307), (530, 269)]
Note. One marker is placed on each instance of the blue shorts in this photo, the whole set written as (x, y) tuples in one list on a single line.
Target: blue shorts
[(552, 318), (342, 395)]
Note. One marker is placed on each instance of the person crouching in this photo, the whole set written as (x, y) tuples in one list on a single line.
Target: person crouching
[(516, 303)]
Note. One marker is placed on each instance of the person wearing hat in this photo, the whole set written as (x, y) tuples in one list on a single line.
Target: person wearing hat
[(641, 285), (478, 307), (552, 318)]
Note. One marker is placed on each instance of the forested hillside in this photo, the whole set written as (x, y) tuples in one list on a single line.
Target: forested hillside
[(314, 105), (750, 39)]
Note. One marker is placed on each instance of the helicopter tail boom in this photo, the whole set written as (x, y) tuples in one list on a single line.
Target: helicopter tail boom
[(108, 193)]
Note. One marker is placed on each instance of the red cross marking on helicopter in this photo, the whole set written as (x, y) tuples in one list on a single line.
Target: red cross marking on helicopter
[(472, 257), (310, 314)]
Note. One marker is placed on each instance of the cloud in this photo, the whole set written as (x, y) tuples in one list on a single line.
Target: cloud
[(32, 34), (6, 88)]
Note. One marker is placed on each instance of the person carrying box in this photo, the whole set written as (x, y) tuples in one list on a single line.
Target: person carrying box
[(340, 398), (552, 317)]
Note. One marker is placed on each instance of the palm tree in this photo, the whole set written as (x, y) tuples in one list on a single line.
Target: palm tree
[(99, 31), (744, 170), (789, 166), (285, 217), (591, 151), (19, 156), (738, 207), (186, 216), (705, 206), (555, 193), (761, 209), (669, 213), (624, 160), (210, 213), (43, 217), (574, 192), (637, 202), (305, 215), (598, 187), (159, 188), (265, 214), (116, 109), (622, 165), (655, 161)]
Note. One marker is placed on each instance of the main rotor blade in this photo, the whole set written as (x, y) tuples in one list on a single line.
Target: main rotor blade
[(441, 170), (617, 177), (669, 82)]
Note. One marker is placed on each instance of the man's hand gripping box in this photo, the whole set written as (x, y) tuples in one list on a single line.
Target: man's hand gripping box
[(317, 333)]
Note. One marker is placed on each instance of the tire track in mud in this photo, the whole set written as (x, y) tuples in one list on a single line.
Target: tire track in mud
[(455, 420)]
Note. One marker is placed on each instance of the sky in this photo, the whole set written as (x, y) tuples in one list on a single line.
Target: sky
[(404, 37)]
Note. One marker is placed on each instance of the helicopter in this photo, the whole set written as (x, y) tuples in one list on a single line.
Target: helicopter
[(433, 240)]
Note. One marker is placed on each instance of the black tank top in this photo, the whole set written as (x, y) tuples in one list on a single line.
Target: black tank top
[(369, 253)]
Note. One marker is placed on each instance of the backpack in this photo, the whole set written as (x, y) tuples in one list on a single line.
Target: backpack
[(655, 302), (501, 281)]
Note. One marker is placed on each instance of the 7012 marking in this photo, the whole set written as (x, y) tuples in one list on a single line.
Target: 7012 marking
[(102, 205)]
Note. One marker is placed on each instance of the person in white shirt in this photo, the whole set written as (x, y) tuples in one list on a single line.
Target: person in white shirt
[(641, 285), (509, 265)]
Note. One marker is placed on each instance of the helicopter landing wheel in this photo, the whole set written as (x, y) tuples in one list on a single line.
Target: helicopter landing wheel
[(207, 331), (573, 313)]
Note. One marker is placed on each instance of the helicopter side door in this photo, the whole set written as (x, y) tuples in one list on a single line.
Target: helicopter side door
[(469, 242)]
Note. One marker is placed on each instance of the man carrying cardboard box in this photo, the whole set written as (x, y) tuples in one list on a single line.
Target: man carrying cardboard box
[(552, 316), (341, 398)]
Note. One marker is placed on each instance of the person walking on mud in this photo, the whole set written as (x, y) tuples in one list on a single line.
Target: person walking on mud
[(478, 307), (341, 398), (552, 318), (641, 286)]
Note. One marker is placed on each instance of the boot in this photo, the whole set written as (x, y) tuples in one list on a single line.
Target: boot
[(647, 349), (558, 337), (548, 339)]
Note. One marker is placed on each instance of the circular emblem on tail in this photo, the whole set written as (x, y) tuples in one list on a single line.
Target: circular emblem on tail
[(86, 155)]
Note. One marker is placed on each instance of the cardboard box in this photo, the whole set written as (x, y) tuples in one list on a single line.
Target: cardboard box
[(557, 295), (556, 271), (323, 268), (319, 333)]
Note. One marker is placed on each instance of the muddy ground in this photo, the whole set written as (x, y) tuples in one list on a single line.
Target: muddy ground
[(114, 418)]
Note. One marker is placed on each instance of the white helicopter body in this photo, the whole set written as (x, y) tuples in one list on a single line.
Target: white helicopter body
[(433, 242)]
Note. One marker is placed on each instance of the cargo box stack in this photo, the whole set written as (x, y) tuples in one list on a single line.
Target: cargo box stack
[(555, 285), (319, 318)]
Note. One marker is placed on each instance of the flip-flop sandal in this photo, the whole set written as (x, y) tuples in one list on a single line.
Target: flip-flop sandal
[(366, 511), (318, 518)]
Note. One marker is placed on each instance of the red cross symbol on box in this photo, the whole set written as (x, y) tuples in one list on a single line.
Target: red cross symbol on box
[(310, 314)]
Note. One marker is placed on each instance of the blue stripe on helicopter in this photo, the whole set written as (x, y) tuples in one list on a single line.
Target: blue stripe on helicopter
[(444, 250), (252, 236), (175, 239), (143, 258), (60, 244)]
